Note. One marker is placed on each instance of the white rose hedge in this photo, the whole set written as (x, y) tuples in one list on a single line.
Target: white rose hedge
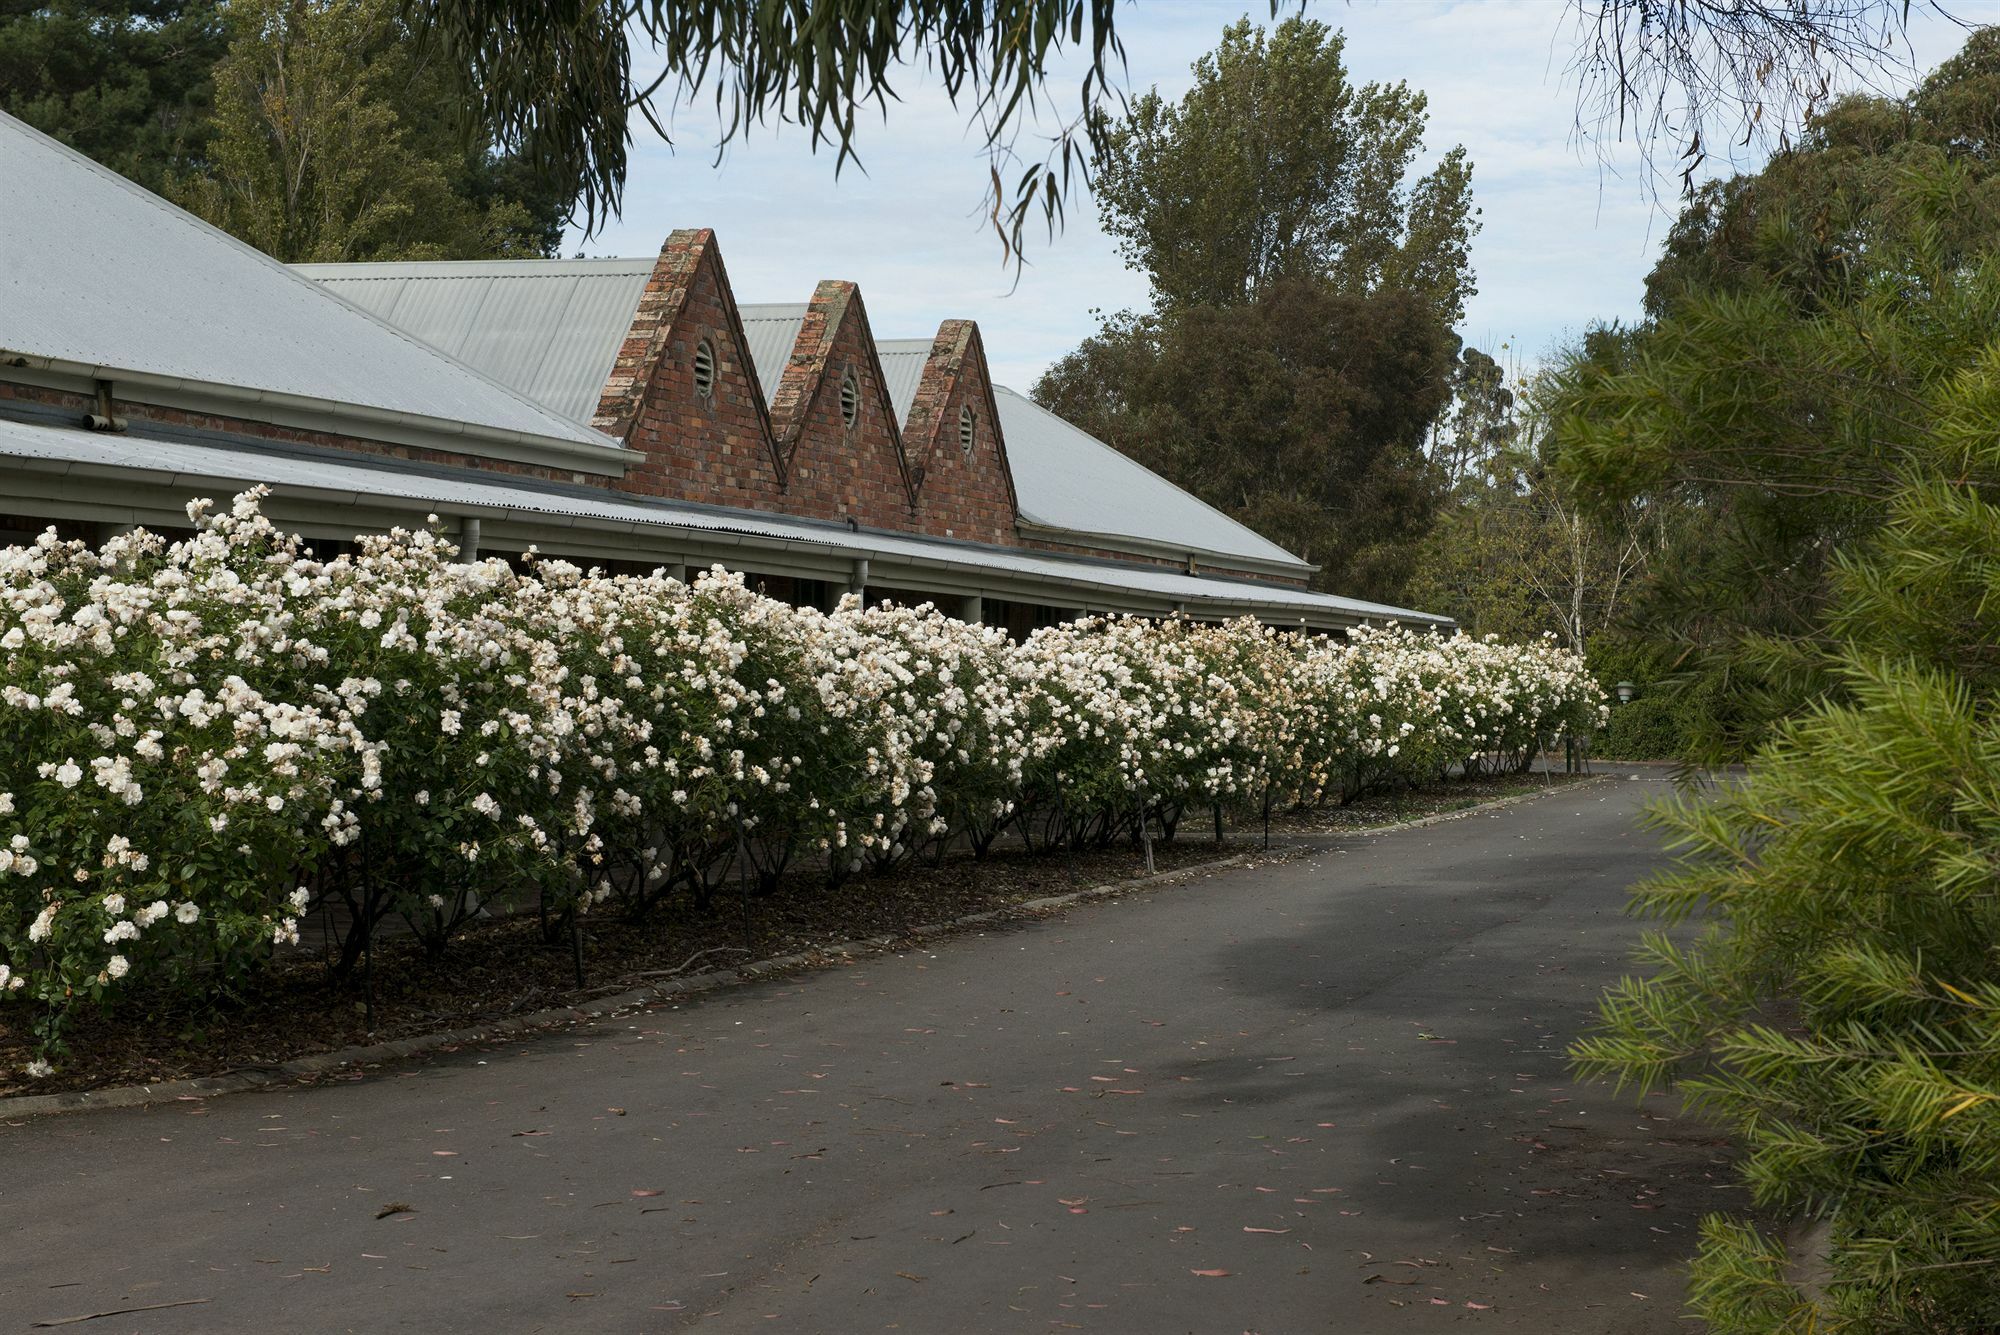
[(203, 742)]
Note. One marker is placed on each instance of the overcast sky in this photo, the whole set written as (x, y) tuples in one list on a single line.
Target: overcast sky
[(1564, 240)]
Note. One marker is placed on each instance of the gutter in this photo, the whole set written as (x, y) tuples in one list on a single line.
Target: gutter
[(1178, 552), (838, 547), (607, 458)]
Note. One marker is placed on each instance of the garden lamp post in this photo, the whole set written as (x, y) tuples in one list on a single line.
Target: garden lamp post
[(1626, 690)]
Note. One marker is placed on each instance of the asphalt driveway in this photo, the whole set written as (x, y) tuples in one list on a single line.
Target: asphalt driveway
[(1326, 1095)]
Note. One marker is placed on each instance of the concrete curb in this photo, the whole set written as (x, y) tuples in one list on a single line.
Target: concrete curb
[(233, 1082)]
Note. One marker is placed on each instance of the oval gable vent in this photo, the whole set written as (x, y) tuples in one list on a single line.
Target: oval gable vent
[(704, 368), (850, 399), (966, 423)]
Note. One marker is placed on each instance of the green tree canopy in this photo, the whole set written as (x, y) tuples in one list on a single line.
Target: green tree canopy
[(1839, 1009), (1482, 422), (1515, 552), (1302, 414), (1803, 319), (334, 141), (1819, 391), (1805, 225), (124, 83), (1300, 348), (1275, 166)]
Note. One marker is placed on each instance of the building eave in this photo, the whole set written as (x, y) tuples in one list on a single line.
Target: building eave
[(65, 472), (306, 413), (1179, 553)]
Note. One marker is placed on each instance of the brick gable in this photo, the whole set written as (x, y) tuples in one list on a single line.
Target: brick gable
[(961, 492), (716, 448), (833, 470)]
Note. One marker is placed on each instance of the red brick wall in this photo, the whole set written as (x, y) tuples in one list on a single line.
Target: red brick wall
[(800, 457), (717, 449), (961, 493), (832, 470)]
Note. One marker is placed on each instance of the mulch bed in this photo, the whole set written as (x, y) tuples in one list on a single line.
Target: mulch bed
[(502, 967)]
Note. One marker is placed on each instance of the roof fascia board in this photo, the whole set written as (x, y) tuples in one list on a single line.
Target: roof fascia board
[(1177, 552), (158, 496), (303, 412)]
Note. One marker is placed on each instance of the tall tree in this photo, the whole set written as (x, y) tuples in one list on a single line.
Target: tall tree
[(1804, 225), (1837, 1010), (1480, 424), (1302, 414), (1273, 166), (1300, 348), (124, 82), (1803, 318), (1515, 551), (333, 141)]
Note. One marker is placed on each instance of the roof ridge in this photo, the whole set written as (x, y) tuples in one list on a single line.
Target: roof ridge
[(537, 267)]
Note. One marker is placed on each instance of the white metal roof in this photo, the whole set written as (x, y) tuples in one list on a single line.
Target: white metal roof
[(903, 361), (1068, 479), (206, 470), (98, 274), (549, 328), (772, 330)]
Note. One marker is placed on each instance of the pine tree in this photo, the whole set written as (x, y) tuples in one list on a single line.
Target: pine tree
[(1839, 1010)]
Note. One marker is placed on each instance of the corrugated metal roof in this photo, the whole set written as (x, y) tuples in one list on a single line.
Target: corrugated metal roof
[(99, 273), (1067, 478), (550, 328), (772, 329), (1064, 478), (903, 361), (209, 469)]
